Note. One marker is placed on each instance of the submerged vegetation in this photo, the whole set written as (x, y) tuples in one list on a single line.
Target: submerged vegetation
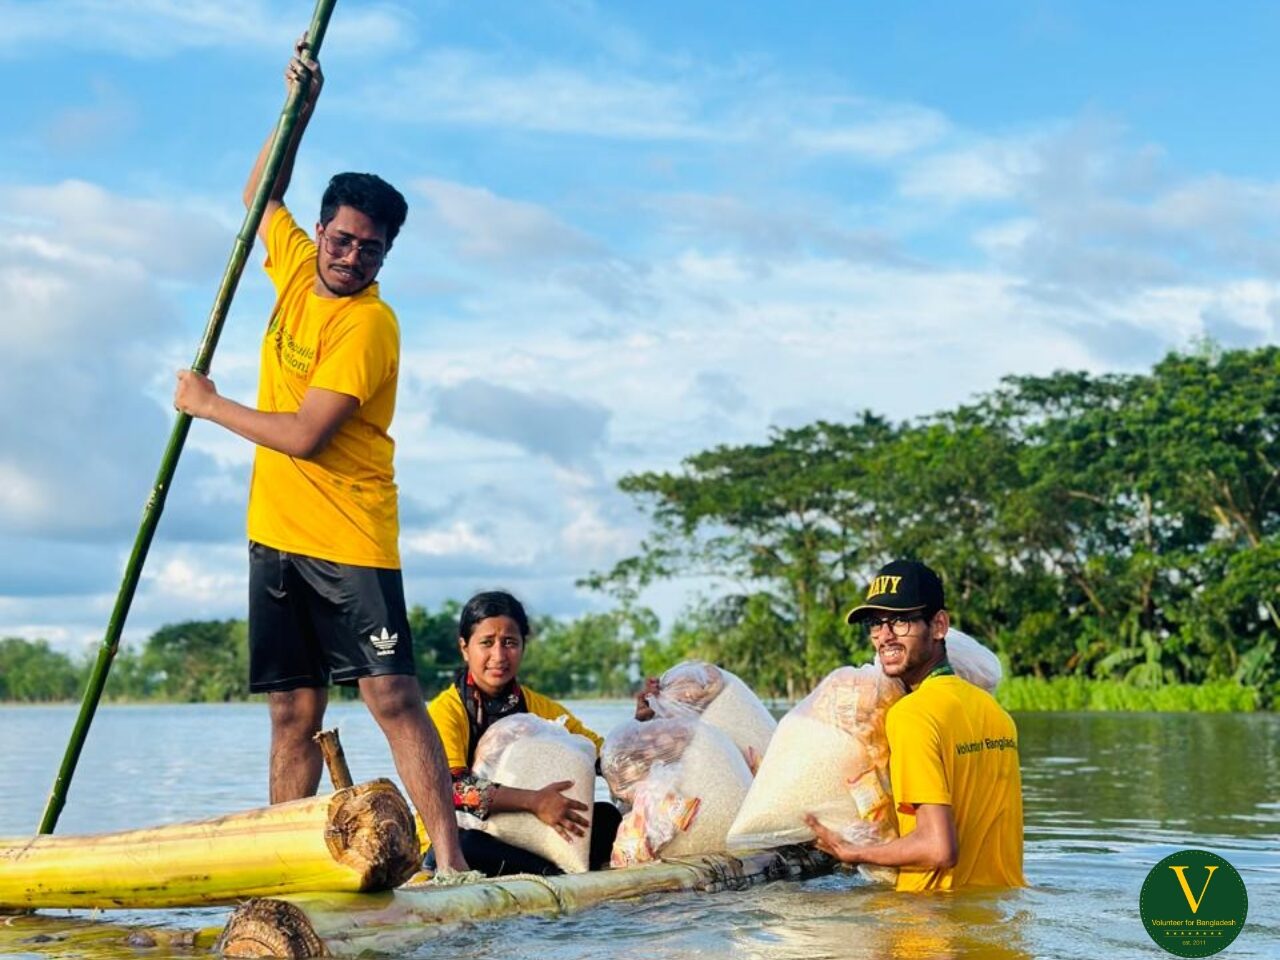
[(1115, 538), (1077, 693)]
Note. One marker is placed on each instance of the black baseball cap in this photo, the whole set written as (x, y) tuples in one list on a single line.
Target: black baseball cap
[(901, 586)]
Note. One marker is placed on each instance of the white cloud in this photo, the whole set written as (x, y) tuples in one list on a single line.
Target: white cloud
[(165, 28), (763, 233), (991, 170), (87, 272), (22, 494), (715, 269), (109, 118), (458, 540), (567, 430), (877, 131), (676, 102), (1096, 220), (502, 230), (469, 88), (1005, 237), (596, 544), (101, 229), (183, 579)]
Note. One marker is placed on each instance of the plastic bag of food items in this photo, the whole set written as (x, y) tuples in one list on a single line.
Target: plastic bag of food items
[(529, 752), (830, 757), (684, 781), (720, 699), (659, 811)]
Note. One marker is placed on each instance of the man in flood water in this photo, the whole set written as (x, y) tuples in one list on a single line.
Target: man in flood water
[(326, 599), (953, 751)]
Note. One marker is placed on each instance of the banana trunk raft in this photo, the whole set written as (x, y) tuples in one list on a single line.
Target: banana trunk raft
[(344, 925), (337, 925), (361, 838)]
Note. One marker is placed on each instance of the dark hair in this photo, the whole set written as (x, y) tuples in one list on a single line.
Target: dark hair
[(492, 603), (371, 195)]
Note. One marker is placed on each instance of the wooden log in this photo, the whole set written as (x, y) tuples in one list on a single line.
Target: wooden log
[(32, 935), (270, 928), (358, 839), (334, 758), (340, 925)]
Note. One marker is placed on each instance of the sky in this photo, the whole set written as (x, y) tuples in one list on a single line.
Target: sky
[(636, 231)]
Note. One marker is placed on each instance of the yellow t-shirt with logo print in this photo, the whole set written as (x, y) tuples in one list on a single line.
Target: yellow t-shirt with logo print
[(951, 743), (342, 504), (449, 715)]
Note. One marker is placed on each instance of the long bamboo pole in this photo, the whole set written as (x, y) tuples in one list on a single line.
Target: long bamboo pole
[(169, 463), (400, 921)]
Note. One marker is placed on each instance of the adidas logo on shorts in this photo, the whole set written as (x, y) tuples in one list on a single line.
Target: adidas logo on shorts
[(385, 643)]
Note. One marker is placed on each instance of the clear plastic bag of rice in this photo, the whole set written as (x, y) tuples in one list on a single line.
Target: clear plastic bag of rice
[(722, 700), (684, 780), (633, 747), (830, 757), (528, 752)]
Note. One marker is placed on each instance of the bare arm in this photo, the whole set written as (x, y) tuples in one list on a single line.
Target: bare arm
[(549, 805), (931, 845), (644, 711), (303, 434), (300, 67)]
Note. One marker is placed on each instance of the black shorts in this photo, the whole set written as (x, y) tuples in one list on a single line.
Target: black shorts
[(314, 622)]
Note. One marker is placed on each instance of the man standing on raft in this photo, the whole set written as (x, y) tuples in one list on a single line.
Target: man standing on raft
[(326, 600), (953, 751)]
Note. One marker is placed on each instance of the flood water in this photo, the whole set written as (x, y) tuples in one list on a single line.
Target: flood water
[(1107, 796)]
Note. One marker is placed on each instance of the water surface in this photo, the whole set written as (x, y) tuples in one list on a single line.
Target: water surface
[(1107, 797)]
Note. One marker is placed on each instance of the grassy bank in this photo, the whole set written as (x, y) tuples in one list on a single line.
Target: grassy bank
[(1077, 693), (1014, 693)]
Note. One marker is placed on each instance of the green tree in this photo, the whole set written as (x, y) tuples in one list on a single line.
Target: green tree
[(1123, 526), (32, 672), (435, 644), (784, 522), (199, 661), (597, 653)]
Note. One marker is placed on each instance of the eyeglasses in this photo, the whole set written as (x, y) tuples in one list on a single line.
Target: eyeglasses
[(900, 626), (339, 245)]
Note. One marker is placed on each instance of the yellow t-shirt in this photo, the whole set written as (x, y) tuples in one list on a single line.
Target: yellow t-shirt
[(450, 718), (340, 505), (950, 742)]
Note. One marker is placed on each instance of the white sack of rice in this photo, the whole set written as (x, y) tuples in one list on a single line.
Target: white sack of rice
[(972, 661), (830, 758), (722, 700), (528, 752), (686, 781)]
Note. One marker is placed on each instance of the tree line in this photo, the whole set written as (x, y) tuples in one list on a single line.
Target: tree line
[(207, 661), (1115, 527)]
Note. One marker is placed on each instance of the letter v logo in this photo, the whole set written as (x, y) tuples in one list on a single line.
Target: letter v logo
[(1193, 902), (1199, 910)]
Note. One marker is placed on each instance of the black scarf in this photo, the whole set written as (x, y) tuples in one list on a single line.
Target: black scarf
[(483, 711)]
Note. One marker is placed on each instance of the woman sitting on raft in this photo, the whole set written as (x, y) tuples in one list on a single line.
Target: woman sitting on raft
[(492, 632)]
